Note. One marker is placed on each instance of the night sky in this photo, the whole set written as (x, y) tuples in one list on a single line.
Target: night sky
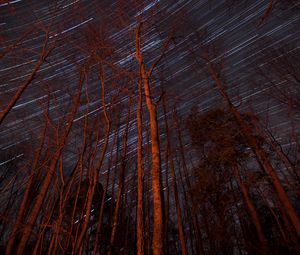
[(243, 35), (231, 24)]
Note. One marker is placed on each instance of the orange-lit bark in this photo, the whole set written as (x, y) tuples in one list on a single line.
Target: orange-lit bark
[(43, 55), (75, 205), (293, 179), (167, 198), (158, 224), (22, 209), (96, 169), (51, 170), (140, 169), (251, 209), (266, 14), (100, 218)]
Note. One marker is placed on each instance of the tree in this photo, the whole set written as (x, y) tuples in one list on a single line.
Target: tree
[(261, 155), (145, 75), (223, 149)]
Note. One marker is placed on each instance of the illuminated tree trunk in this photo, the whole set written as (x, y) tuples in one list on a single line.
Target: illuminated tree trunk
[(43, 55), (140, 169), (148, 188), (100, 218), (158, 224), (75, 205), (251, 209), (66, 194), (48, 179), (23, 207), (95, 172), (45, 223)]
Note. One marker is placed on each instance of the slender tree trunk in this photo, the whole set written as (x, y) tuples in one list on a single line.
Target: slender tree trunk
[(158, 224), (43, 55), (280, 153), (192, 216), (45, 223), (100, 218), (167, 201), (121, 181), (148, 188), (65, 193), (22, 209), (140, 213), (71, 218), (175, 188), (95, 174), (251, 209)]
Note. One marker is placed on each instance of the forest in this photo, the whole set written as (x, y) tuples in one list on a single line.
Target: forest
[(150, 127)]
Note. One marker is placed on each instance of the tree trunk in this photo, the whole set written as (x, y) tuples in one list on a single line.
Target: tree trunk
[(251, 209), (175, 188), (95, 174), (44, 54), (158, 224), (22, 209), (139, 213), (121, 182)]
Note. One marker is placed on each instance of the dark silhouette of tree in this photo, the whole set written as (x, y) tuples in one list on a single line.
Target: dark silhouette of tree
[(224, 156)]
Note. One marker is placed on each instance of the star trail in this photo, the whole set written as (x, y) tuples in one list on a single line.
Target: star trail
[(70, 73)]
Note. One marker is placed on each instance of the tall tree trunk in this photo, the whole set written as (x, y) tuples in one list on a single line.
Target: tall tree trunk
[(22, 209), (174, 184), (251, 209), (290, 168), (158, 224), (65, 193), (95, 172), (100, 218), (167, 201), (140, 169), (192, 216), (121, 181)]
